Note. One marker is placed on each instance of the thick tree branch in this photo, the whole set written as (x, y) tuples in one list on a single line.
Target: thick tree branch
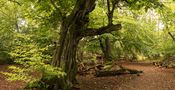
[(102, 30)]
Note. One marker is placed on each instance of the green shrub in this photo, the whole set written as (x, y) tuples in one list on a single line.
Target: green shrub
[(31, 60)]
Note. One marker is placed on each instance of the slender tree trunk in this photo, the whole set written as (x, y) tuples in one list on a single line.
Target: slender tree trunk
[(106, 48), (108, 53)]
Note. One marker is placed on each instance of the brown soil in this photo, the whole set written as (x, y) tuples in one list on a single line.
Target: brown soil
[(153, 78), (8, 85)]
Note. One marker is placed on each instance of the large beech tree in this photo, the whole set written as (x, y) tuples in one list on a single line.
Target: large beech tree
[(73, 28)]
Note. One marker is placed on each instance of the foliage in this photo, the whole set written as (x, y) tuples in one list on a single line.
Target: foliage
[(31, 59), (28, 41)]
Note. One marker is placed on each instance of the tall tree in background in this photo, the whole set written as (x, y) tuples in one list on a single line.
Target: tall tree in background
[(111, 5)]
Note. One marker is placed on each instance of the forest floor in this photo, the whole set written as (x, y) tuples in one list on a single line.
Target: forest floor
[(152, 78), (7, 85)]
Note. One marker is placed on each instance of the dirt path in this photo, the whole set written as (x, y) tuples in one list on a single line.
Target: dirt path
[(153, 78)]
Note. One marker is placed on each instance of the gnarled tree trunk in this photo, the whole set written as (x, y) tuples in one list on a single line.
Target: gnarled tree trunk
[(73, 28)]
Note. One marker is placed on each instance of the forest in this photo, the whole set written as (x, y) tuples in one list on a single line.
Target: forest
[(87, 44)]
